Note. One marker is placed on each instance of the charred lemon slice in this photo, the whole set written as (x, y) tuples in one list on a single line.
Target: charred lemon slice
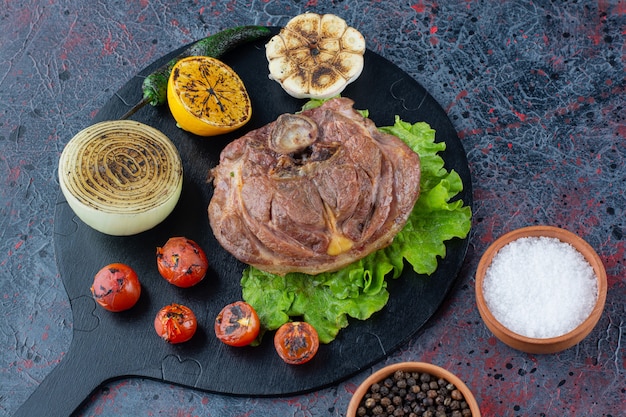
[(315, 56), (206, 97)]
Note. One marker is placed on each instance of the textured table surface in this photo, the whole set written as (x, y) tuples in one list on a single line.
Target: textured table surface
[(536, 91)]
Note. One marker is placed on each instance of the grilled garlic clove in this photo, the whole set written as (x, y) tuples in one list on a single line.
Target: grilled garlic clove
[(121, 177), (315, 56)]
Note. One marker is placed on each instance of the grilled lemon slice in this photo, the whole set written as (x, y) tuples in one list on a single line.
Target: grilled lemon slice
[(315, 56), (207, 97)]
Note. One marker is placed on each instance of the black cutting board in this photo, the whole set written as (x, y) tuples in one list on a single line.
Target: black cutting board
[(108, 346)]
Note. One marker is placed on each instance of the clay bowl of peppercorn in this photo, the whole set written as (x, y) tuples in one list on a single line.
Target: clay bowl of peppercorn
[(540, 289), (412, 389)]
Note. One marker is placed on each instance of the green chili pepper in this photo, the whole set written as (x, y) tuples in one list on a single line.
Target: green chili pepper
[(154, 86)]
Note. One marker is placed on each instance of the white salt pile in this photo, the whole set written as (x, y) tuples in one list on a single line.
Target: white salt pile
[(540, 287)]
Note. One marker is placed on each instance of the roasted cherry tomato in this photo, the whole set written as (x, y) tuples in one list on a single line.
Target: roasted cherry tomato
[(175, 323), (237, 324), (116, 287), (296, 342), (182, 262)]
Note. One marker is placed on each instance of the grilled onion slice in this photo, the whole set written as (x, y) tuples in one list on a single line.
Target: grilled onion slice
[(121, 177)]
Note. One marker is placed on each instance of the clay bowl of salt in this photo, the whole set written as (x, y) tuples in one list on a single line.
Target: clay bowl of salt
[(540, 289)]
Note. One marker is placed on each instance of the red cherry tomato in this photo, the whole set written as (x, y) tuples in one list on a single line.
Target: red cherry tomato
[(237, 324), (116, 287), (175, 323), (296, 342), (182, 262)]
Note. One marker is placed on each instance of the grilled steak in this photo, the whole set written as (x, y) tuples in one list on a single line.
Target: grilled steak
[(312, 192)]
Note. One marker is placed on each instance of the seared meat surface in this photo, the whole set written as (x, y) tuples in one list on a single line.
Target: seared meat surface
[(312, 192)]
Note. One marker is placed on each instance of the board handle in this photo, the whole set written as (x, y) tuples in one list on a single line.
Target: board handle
[(69, 384), (88, 364)]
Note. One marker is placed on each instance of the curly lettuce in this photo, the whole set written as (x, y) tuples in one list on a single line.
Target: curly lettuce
[(326, 301)]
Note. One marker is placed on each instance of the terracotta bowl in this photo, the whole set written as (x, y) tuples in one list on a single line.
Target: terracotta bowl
[(541, 345), (421, 367)]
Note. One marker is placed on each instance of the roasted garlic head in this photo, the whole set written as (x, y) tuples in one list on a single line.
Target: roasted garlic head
[(315, 56)]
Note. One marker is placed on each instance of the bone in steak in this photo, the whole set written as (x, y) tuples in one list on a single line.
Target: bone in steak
[(312, 192)]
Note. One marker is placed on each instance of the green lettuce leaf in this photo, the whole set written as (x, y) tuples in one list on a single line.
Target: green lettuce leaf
[(327, 300), (435, 218)]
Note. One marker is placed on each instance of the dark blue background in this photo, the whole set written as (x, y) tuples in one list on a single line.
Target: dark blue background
[(534, 89)]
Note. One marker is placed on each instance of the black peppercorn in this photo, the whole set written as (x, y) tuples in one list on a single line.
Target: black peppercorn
[(456, 395)]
